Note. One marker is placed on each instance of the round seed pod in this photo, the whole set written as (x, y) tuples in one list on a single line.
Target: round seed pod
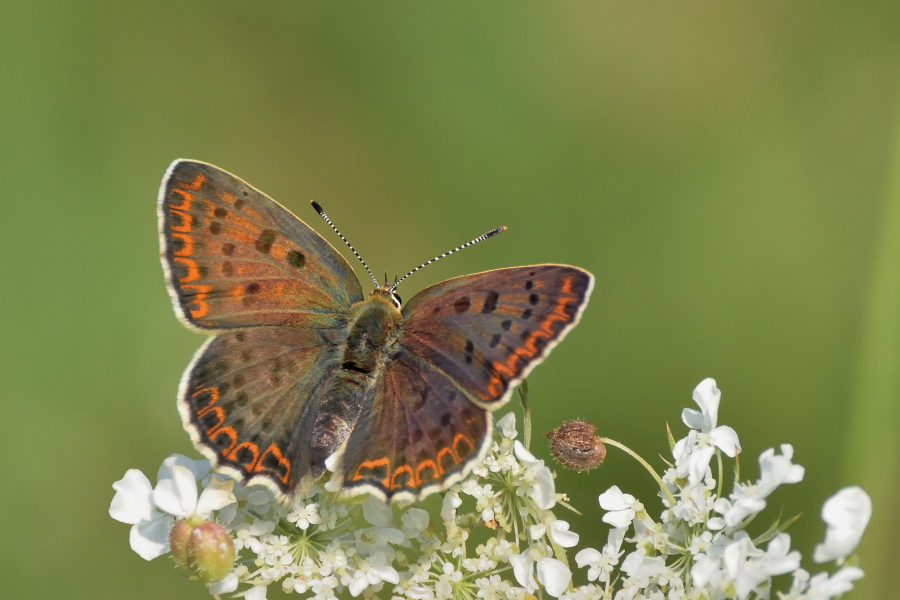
[(575, 446)]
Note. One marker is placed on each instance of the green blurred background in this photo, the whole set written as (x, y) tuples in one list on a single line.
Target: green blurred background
[(730, 172)]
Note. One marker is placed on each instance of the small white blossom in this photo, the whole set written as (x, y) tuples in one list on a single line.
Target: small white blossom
[(602, 563), (846, 513), (370, 572), (178, 495), (622, 507)]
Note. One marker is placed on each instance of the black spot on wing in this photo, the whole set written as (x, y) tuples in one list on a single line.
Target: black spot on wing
[(265, 240), (490, 303)]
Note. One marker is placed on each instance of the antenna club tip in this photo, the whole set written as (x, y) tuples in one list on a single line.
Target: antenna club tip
[(316, 206), (494, 232)]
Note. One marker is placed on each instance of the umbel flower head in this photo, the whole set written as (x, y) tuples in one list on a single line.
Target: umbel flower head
[(499, 535)]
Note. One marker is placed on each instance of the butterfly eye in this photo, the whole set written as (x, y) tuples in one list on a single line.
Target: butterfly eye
[(396, 299)]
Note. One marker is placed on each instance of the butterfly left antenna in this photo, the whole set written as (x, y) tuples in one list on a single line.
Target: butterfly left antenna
[(322, 214)]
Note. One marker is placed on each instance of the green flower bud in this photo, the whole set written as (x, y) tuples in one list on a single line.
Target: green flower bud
[(204, 548)]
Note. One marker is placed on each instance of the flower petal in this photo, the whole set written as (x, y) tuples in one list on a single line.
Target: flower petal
[(199, 468), (133, 501), (151, 538), (217, 495), (614, 499), (554, 575), (846, 513), (725, 439), (559, 531), (507, 425), (522, 569), (178, 495)]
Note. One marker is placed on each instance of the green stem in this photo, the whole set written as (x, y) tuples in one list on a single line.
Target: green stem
[(637, 457), (526, 413)]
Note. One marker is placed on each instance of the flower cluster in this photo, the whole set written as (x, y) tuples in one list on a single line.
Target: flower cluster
[(497, 536)]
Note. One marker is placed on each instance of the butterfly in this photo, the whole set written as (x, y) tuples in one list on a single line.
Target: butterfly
[(302, 370)]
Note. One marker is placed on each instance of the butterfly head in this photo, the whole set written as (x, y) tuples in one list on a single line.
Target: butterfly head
[(387, 293)]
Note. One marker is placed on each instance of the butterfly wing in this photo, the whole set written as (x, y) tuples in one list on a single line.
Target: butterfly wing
[(249, 398), (421, 434), (234, 257), (487, 331), (465, 344)]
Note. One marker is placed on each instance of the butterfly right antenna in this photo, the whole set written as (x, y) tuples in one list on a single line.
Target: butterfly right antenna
[(322, 214), (480, 238)]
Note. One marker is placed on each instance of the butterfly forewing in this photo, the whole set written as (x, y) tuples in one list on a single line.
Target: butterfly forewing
[(488, 330), (236, 258), (420, 435), (249, 397)]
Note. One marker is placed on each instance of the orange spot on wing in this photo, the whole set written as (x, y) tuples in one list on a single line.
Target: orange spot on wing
[(444, 452), (187, 220), (220, 415), (400, 470), (460, 437), (193, 273), (186, 199), (275, 451), (199, 300), (232, 456), (194, 185), (187, 247), (427, 464), (213, 391), (229, 431), (371, 465), (496, 386)]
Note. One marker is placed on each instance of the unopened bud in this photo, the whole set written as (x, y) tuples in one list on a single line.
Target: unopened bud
[(575, 446), (204, 548)]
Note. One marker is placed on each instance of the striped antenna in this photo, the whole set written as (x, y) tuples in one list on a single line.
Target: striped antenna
[(480, 238), (322, 214)]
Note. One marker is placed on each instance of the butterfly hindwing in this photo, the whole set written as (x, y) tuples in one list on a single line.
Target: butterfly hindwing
[(420, 435), (488, 330), (235, 258), (249, 397)]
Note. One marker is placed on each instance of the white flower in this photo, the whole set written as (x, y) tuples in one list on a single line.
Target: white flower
[(559, 533), (823, 587), (371, 571), (554, 575), (693, 453), (507, 426), (747, 500), (621, 507), (779, 558), (305, 515), (256, 593), (542, 490), (133, 504), (707, 397), (178, 495), (602, 563), (226, 585), (743, 565), (846, 513), (451, 502)]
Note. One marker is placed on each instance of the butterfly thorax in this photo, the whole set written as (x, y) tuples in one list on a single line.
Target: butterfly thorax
[(372, 330)]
